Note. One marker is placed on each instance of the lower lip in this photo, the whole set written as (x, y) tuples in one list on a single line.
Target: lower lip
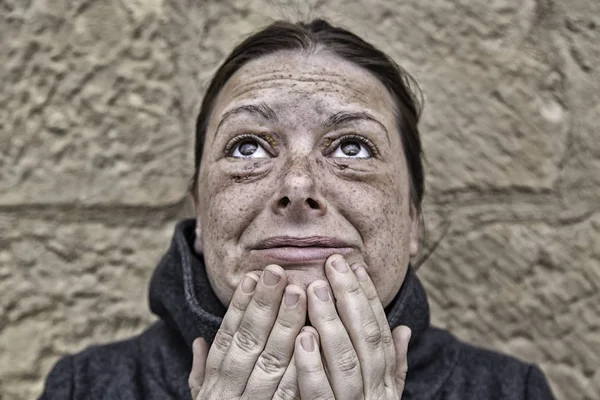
[(301, 254)]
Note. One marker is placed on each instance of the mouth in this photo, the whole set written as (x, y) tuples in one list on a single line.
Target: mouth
[(293, 250)]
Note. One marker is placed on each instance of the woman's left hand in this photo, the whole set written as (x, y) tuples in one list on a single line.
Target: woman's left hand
[(363, 359)]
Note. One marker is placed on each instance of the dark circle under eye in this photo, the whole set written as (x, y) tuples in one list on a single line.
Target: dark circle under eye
[(350, 148), (248, 147)]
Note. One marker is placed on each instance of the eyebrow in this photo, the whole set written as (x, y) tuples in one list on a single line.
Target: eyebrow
[(260, 109), (343, 117), (266, 112)]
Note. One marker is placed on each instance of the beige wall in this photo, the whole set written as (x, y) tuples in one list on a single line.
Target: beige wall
[(97, 105)]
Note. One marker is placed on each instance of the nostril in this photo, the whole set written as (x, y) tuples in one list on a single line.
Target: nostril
[(284, 202), (312, 203)]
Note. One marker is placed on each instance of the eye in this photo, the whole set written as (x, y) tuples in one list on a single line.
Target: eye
[(353, 147), (247, 147)]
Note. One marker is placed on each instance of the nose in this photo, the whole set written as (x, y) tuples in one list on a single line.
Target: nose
[(298, 197)]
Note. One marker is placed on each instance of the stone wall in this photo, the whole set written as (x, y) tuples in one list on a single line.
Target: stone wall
[(97, 109)]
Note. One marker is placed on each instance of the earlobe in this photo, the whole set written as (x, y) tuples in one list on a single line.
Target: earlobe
[(198, 240), (414, 232)]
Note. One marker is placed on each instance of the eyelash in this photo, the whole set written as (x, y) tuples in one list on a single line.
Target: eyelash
[(245, 136), (370, 145)]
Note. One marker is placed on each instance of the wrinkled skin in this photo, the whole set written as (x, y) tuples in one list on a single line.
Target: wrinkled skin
[(363, 201)]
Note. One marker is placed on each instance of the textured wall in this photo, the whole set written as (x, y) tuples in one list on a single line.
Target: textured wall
[(96, 114)]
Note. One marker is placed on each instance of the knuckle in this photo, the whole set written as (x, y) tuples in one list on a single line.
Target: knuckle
[(329, 318), (310, 369), (354, 289), (372, 334), (402, 371), (347, 362), (239, 304), (387, 339), (263, 303), (371, 294), (192, 383), (323, 396), (246, 339), (286, 323), (286, 393), (270, 363), (223, 340)]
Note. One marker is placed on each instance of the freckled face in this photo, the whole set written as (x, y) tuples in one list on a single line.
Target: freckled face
[(303, 159)]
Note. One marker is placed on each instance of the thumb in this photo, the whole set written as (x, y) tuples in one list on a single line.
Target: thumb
[(196, 378), (401, 337)]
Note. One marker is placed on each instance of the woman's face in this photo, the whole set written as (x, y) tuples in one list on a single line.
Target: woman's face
[(302, 160)]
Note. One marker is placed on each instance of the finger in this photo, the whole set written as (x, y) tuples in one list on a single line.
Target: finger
[(386, 335), (356, 313), (196, 378), (401, 336), (288, 386), (231, 321), (343, 366), (314, 332), (251, 336), (312, 380), (275, 358)]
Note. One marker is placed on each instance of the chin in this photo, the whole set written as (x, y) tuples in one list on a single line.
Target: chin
[(305, 276)]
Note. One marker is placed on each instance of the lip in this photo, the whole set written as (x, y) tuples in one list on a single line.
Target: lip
[(286, 249), (308, 241)]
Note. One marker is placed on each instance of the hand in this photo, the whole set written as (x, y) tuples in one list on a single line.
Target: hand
[(363, 360), (251, 356), (355, 295)]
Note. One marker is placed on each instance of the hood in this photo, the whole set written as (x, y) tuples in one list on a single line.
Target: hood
[(181, 295)]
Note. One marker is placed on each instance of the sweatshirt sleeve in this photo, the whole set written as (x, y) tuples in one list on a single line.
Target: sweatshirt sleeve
[(59, 383), (537, 386)]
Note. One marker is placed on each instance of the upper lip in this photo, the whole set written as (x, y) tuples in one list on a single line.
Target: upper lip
[(308, 241)]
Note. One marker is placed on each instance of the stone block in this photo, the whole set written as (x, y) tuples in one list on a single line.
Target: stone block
[(66, 286), (91, 108), (529, 290)]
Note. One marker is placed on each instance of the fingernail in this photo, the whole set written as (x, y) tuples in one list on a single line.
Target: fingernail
[(290, 299), (322, 292), (340, 265), (270, 278), (307, 343), (361, 274), (248, 285)]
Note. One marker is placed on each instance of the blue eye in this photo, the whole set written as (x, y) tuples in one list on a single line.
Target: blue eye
[(248, 148), (352, 148)]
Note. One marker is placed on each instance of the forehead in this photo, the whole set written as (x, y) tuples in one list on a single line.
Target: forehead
[(315, 82)]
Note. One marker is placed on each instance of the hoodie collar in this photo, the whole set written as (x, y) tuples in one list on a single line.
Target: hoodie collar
[(181, 295)]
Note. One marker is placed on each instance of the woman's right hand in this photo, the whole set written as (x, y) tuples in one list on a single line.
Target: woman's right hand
[(251, 356)]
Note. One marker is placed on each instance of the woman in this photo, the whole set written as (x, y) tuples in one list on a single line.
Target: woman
[(294, 279)]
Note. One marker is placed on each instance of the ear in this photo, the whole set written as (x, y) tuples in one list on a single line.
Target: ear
[(414, 231)]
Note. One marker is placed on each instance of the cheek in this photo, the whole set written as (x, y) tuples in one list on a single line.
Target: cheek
[(236, 195), (378, 207)]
